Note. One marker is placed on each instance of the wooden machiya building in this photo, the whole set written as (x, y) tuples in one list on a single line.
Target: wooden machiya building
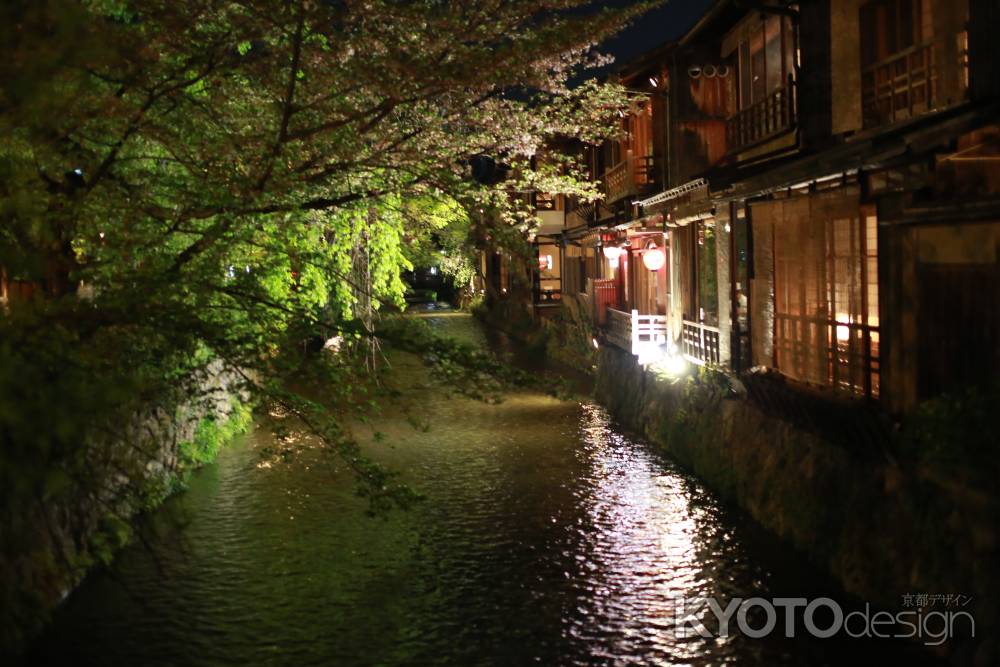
[(615, 259), (536, 284), (816, 186)]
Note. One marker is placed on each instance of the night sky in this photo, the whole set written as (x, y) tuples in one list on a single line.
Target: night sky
[(657, 27)]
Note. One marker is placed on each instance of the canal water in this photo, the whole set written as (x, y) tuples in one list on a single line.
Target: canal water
[(547, 536)]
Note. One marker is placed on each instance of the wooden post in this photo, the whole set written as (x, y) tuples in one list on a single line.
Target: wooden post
[(634, 330)]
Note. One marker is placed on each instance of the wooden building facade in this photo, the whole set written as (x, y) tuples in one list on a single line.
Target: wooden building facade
[(823, 181)]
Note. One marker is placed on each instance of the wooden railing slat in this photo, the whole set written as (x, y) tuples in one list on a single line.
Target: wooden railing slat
[(762, 120)]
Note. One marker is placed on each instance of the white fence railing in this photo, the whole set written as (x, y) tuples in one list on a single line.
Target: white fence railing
[(700, 343), (634, 332)]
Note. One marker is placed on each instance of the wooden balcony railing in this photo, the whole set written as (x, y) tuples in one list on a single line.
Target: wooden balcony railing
[(580, 215), (899, 87), (765, 119), (700, 343), (633, 332), (628, 177), (619, 329)]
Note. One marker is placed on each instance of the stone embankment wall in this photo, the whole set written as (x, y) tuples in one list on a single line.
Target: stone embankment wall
[(50, 545), (569, 336), (882, 528)]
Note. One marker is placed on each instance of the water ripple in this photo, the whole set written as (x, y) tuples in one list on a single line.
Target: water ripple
[(548, 537)]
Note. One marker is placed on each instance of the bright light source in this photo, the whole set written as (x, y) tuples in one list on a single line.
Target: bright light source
[(843, 331), (669, 362), (434, 270), (654, 259), (596, 344), (675, 365), (663, 360), (646, 356), (653, 82), (612, 253)]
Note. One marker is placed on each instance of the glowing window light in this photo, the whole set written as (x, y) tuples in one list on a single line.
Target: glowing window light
[(843, 331)]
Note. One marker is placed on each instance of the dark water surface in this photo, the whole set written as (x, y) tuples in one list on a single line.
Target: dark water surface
[(547, 537)]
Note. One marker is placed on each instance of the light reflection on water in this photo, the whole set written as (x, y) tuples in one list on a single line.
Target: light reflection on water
[(547, 537)]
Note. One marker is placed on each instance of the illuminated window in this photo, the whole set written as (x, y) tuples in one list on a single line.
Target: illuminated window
[(825, 308)]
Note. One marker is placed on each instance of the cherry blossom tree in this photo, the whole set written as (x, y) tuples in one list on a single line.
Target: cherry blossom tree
[(211, 171)]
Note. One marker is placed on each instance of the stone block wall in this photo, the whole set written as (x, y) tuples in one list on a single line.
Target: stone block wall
[(50, 545), (880, 527)]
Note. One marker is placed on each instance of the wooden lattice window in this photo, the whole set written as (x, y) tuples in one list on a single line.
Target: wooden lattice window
[(825, 289), (899, 62), (888, 27)]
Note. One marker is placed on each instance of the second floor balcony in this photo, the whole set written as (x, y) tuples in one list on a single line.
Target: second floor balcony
[(579, 213), (763, 120), (900, 86), (914, 58), (628, 178)]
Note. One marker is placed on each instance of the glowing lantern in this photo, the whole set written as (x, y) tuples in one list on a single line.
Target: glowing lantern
[(612, 253), (654, 259)]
